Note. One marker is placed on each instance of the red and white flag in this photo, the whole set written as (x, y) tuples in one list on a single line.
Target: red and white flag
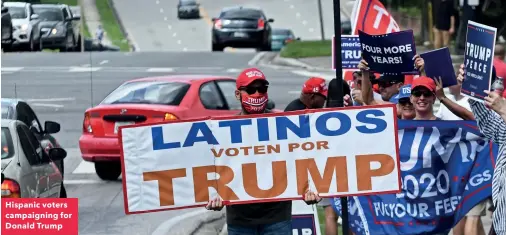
[(371, 17)]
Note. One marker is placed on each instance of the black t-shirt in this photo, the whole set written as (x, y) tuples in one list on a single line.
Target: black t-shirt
[(295, 105), (259, 213), (443, 10)]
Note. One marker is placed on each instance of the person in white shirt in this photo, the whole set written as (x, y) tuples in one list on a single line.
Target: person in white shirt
[(456, 107)]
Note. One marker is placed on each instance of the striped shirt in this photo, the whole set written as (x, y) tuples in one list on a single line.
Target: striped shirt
[(494, 128)]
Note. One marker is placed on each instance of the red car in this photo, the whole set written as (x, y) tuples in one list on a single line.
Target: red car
[(149, 100)]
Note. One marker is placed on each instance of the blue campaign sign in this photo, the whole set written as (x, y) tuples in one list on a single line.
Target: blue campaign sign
[(438, 63), (391, 53), (351, 54), (446, 169), (303, 225), (478, 60)]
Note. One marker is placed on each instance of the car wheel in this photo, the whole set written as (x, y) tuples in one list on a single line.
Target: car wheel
[(217, 47), (108, 170), (63, 191)]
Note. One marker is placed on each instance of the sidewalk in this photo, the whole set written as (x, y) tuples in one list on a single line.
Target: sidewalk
[(92, 19)]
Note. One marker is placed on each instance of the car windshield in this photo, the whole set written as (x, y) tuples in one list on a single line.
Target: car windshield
[(48, 14), (17, 12), (188, 3), (7, 146), (241, 14), (168, 93), (283, 32)]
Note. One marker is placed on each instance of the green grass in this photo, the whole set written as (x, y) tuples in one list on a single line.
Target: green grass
[(321, 218), (302, 49), (111, 26)]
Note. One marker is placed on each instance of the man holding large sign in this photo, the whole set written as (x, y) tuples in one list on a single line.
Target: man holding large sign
[(478, 60), (255, 161)]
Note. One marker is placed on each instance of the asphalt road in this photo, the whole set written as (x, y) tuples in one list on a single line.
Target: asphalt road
[(60, 87), (155, 26)]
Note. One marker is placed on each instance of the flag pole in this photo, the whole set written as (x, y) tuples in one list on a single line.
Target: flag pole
[(335, 96)]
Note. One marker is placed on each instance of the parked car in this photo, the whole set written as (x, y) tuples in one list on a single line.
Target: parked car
[(18, 109), (151, 100), (7, 29), (27, 170), (241, 27), (188, 9), (26, 25), (60, 29), (281, 37)]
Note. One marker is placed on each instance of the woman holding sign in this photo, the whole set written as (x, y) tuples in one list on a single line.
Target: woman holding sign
[(491, 118)]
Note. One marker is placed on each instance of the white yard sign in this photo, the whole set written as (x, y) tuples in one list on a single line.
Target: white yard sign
[(271, 157)]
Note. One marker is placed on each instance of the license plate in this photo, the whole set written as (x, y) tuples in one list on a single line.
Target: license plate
[(240, 35), (118, 124)]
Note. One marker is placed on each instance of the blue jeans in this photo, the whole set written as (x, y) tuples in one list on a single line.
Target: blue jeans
[(280, 228)]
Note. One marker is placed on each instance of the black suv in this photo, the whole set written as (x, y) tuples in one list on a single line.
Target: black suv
[(188, 9), (59, 28), (242, 27)]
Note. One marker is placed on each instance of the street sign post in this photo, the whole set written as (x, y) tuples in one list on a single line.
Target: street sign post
[(335, 96)]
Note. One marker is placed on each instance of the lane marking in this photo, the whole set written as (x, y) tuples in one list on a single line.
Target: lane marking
[(157, 2), (294, 92), (178, 41), (204, 68), (185, 49), (169, 27), (304, 22), (47, 105), (311, 30), (160, 70), (84, 69), (165, 18), (11, 69), (174, 34), (85, 168), (233, 70), (104, 62), (161, 10), (51, 99), (297, 15), (165, 227), (292, 6)]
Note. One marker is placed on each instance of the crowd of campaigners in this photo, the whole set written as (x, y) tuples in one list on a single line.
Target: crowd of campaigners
[(414, 101)]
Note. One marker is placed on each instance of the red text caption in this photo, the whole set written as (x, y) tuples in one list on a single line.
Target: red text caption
[(42, 216)]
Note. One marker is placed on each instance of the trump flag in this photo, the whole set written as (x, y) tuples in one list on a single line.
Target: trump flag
[(446, 169), (371, 17)]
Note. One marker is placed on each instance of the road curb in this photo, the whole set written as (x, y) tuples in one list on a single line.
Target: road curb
[(290, 62), (133, 47)]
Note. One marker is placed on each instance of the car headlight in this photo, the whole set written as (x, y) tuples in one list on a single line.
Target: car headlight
[(58, 30), (24, 27)]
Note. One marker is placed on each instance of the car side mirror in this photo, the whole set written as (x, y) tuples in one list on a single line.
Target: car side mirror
[(270, 20), (76, 18), (298, 39), (51, 127), (270, 104), (34, 17), (4, 10), (57, 154)]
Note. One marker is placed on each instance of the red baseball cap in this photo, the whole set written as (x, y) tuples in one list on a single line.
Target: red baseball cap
[(248, 76), (424, 82), (315, 85)]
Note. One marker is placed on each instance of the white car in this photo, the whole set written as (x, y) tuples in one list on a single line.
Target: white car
[(26, 25), (27, 170)]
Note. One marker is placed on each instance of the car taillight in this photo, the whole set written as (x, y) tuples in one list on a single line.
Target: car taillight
[(87, 123), (169, 116), (261, 24), (10, 189), (217, 24)]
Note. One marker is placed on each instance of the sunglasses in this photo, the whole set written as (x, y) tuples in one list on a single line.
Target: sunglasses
[(425, 93), (252, 90), (404, 101)]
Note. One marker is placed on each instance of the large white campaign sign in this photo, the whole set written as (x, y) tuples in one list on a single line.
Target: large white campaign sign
[(270, 157)]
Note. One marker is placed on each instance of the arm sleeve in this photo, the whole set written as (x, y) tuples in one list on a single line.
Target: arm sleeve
[(490, 123)]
